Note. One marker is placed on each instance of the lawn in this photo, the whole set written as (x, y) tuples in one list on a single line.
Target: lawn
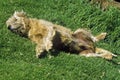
[(17, 54)]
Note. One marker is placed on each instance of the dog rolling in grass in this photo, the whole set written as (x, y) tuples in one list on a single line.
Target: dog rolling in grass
[(49, 36)]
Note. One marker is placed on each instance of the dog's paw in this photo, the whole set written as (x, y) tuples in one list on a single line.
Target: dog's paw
[(41, 55), (107, 56), (99, 37), (103, 35)]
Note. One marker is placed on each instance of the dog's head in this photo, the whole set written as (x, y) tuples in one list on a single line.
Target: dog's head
[(18, 23)]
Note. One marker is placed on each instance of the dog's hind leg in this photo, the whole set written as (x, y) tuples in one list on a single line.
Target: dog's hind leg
[(89, 53), (89, 34), (98, 37), (105, 54), (98, 53)]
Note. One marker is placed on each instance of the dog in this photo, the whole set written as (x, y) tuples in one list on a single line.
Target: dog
[(48, 36)]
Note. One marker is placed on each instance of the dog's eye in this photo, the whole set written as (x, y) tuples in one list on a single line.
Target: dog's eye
[(15, 19)]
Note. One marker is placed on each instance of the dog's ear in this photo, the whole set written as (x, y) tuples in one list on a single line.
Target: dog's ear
[(17, 15), (22, 11)]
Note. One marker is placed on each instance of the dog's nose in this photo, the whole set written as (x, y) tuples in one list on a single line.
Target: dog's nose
[(9, 27)]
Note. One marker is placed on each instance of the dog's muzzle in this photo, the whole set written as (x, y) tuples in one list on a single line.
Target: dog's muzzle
[(9, 27), (12, 29)]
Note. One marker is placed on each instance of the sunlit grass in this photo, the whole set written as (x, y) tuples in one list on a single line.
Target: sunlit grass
[(17, 54)]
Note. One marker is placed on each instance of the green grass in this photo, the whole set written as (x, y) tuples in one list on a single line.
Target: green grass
[(17, 55)]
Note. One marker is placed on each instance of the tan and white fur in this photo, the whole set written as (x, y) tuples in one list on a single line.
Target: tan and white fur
[(48, 36)]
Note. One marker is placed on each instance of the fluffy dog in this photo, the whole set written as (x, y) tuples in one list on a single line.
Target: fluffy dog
[(49, 36)]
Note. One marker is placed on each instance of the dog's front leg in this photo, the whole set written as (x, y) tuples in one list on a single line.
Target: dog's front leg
[(40, 51), (42, 48), (43, 45)]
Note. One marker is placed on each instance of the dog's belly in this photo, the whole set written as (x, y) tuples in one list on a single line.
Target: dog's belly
[(68, 45)]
